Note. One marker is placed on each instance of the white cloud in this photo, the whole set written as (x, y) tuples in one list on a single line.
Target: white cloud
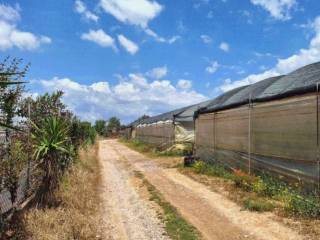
[(81, 8), (134, 12), (8, 13), (184, 84), (151, 33), (267, 54), (132, 97), (213, 67), (158, 72), (206, 39), (173, 39), (224, 46), (138, 13), (11, 36), (278, 9), (128, 45), (99, 37), (301, 58)]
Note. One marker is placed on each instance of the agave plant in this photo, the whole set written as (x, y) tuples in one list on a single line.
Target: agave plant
[(52, 148)]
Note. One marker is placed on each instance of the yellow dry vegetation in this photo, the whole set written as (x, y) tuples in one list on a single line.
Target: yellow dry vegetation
[(77, 215)]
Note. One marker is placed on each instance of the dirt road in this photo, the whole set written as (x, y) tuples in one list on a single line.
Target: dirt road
[(128, 215)]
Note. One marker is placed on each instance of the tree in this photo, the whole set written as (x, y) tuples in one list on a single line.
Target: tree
[(10, 91), (82, 132), (12, 155), (113, 125), (45, 106), (100, 126)]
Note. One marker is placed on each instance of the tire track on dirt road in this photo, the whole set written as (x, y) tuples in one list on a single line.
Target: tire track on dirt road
[(126, 215), (215, 216)]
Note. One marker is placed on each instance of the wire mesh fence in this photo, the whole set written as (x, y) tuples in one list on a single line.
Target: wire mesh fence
[(161, 134)]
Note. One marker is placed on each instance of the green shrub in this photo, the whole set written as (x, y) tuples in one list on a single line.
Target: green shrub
[(245, 182), (258, 205), (260, 187), (273, 187), (52, 151), (201, 167), (294, 201), (305, 206)]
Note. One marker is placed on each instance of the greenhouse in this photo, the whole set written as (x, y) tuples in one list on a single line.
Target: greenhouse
[(169, 128), (272, 125)]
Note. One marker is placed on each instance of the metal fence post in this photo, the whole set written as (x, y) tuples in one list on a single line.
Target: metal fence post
[(318, 159), (28, 144), (249, 134), (214, 132)]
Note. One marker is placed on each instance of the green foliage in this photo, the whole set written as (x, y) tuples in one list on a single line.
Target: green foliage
[(45, 106), (82, 133), (100, 127), (177, 150), (51, 139), (294, 201), (153, 150), (54, 153), (56, 136), (113, 125), (175, 225), (303, 205), (10, 96), (13, 164), (269, 186), (245, 182), (258, 205), (10, 92), (201, 167), (139, 146)]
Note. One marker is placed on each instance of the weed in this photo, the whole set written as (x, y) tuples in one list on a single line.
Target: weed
[(304, 206), (201, 167), (175, 225), (153, 150), (258, 205), (245, 182), (293, 201)]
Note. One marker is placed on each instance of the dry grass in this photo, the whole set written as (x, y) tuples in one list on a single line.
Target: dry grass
[(78, 214)]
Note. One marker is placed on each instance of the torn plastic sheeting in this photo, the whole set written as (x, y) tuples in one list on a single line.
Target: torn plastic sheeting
[(183, 135)]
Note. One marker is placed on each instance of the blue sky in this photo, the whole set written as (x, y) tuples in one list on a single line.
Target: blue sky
[(132, 57)]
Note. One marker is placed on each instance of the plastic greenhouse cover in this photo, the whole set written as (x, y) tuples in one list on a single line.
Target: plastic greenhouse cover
[(300, 81), (187, 114)]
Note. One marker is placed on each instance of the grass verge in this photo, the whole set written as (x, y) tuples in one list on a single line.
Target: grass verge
[(152, 150), (175, 225), (78, 214), (258, 205), (262, 189)]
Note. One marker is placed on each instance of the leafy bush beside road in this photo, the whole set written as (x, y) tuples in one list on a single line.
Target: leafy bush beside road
[(266, 188), (40, 139)]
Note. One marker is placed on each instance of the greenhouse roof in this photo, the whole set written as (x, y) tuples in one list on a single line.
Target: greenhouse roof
[(301, 81)]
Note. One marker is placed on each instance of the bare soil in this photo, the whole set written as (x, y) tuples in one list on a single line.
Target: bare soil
[(127, 215), (130, 216)]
